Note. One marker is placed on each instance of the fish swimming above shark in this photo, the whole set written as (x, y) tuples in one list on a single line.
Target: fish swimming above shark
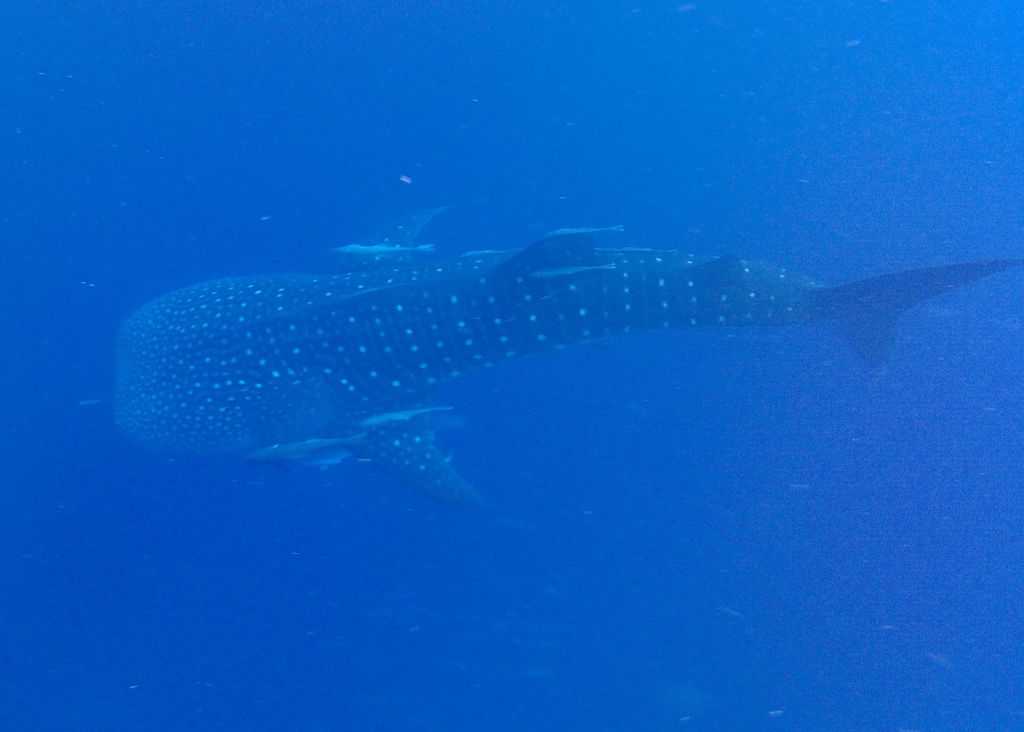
[(394, 244), (312, 368)]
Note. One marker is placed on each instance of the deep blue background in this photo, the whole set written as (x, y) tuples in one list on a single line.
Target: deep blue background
[(714, 526)]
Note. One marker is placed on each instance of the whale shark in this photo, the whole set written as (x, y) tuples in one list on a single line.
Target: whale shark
[(317, 367)]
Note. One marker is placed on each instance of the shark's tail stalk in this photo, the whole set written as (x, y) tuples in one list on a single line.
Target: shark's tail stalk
[(863, 312)]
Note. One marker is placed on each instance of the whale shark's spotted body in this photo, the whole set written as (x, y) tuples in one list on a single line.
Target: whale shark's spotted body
[(246, 364)]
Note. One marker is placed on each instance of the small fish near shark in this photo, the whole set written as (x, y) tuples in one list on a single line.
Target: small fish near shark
[(395, 244), (311, 369)]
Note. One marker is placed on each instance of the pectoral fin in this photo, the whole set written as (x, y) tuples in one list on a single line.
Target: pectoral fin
[(406, 451)]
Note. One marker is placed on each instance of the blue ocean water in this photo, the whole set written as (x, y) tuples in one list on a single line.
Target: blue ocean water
[(721, 530)]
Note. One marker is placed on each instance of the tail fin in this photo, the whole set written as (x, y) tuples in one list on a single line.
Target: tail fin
[(864, 312)]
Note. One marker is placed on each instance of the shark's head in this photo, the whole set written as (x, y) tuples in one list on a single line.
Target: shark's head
[(208, 369)]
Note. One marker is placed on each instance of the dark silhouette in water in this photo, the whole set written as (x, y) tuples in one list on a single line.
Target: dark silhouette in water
[(301, 367)]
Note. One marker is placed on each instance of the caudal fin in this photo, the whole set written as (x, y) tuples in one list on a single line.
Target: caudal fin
[(863, 312)]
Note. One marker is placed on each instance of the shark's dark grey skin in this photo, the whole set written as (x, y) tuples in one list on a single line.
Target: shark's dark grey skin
[(245, 364)]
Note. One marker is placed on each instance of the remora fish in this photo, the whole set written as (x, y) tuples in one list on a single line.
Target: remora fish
[(381, 250), (318, 451), (236, 365), (394, 244)]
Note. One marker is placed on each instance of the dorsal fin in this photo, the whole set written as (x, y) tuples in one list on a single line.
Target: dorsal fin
[(727, 268), (561, 249)]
